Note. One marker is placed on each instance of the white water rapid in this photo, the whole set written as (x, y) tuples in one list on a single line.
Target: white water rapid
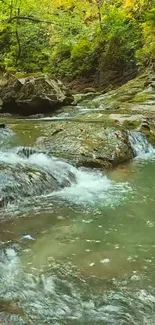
[(38, 174), (140, 145)]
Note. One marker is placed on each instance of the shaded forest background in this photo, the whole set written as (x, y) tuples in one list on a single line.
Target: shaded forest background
[(96, 40)]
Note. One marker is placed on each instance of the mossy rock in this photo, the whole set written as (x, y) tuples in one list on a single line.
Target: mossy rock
[(89, 144), (141, 97), (150, 134), (131, 125)]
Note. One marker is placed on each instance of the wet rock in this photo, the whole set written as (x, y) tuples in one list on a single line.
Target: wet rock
[(33, 95), (148, 128), (89, 144), (150, 81), (136, 95), (127, 121), (84, 97), (97, 136), (29, 173), (6, 134), (2, 202), (28, 151), (10, 307)]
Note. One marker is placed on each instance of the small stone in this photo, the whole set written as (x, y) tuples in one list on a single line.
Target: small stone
[(105, 261), (29, 237), (2, 126), (92, 264), (150, 224), (60, 217), (135, 278)]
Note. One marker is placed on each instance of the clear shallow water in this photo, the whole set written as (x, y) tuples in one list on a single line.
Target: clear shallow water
[(84, 254)]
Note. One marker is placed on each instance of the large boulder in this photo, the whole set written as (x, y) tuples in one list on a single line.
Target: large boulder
[(87, 144), (33, 95)]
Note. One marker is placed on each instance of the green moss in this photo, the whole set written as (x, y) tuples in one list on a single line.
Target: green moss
[(140, 97), (125, 98), (150, 135), (130, 125), (26, 75)]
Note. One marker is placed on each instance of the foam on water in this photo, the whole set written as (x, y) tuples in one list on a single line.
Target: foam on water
[(41, 160), (94, 186), (12, 157), (141, 147), (83, 186)]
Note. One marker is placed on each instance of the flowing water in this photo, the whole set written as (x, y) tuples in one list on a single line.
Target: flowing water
[(77, 246)]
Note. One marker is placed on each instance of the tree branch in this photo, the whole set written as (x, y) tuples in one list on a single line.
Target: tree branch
[(35, 20), (18, 38)]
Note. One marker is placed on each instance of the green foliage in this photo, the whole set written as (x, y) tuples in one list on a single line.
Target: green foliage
[(82, 56), (88, 38), (121, 38), (146, 54)]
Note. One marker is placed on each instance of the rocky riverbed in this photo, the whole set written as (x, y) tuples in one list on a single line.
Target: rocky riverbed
[(94, 130), (77, 244)]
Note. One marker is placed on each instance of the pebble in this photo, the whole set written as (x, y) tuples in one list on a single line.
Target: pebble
[(92, 264), (29, 237), (105, 261)]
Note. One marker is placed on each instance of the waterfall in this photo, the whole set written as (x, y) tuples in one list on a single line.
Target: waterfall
[(27, 174), (140, 145)]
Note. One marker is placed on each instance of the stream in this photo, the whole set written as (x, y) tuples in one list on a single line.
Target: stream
[(77, 246)]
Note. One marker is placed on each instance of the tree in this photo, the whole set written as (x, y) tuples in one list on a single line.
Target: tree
[(76, 38)]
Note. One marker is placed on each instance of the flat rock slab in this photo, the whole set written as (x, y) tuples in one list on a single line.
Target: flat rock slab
[(121, 118)]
